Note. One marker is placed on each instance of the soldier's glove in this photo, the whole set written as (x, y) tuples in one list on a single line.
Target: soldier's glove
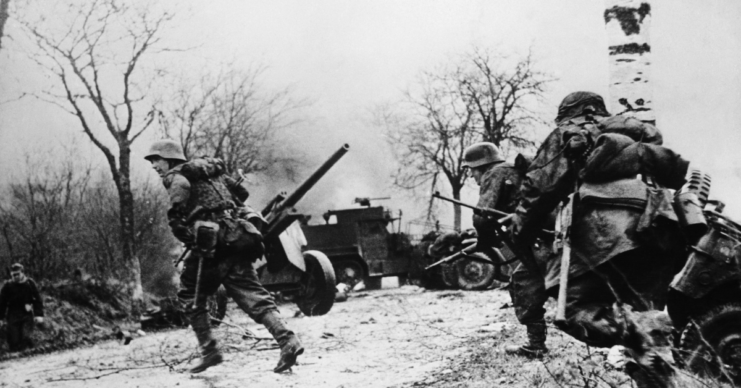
[(182, 232), (578, 144)]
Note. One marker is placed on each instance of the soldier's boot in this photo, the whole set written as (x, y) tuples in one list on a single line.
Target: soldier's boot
[(535, 348), (290, 346), (210, 353)]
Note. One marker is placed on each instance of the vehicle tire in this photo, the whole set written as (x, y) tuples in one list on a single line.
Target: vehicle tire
[(449, 273), (349, 272), (474, 275), (712, 345), (318, 285), (373, 283), (217, 306)]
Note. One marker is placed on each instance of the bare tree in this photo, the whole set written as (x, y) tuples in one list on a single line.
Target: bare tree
[(232, 116), (503, 95), (4, 5), (478, 97), (94, 51), (430, 136), (38, 215)]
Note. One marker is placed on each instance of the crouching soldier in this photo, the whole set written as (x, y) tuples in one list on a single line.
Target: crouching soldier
[(499, 184), (204, 214)]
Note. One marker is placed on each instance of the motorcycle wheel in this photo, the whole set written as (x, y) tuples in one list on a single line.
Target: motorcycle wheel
[(711, 344)]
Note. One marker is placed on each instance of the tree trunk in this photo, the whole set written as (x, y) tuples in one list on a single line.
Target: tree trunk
[(457, 209), (628, 24), (3, 18), (128, 249)]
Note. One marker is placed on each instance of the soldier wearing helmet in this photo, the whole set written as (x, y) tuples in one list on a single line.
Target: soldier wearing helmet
[(499, 184), (207, 213), (616, 258)]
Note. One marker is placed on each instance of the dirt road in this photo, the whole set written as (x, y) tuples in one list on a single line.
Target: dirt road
[(388, 338)]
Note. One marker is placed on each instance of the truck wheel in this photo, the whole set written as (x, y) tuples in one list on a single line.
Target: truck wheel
[(712, 345), (317, 292), (474, 275), (348, 272), (217, 306)]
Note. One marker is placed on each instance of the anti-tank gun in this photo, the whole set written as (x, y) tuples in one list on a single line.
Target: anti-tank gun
[(307, 276)]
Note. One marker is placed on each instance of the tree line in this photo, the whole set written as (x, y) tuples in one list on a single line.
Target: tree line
[(100, 56)]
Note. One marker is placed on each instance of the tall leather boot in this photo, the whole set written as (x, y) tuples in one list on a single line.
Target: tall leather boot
[(290, 346), (210, 353), (535, 348)]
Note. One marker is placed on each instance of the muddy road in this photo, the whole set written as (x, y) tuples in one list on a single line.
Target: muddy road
[(395, 337)]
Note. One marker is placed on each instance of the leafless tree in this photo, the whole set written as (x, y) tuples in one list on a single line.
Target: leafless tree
[(4, 5), (94, 51), (429, 137), (503, 93), (477, 97), (234, 117), (38, 215)]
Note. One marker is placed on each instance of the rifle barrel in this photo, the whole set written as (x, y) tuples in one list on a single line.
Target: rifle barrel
[(457, 202)]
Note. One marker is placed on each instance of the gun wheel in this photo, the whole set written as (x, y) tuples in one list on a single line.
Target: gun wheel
[(317, 292), (711, 346)]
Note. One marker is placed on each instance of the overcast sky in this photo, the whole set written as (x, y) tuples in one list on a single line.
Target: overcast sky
[(346, 56)]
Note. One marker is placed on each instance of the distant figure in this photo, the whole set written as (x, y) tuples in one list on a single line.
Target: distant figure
[(20, 307)]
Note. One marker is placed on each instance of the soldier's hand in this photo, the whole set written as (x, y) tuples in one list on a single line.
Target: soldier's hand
[(38, 319), (183, 233)]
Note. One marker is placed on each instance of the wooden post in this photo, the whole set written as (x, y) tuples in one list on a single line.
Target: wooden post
[(628, 24)]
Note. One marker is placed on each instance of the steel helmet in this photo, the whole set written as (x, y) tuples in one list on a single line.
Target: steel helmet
[(166, 149), (579, 103), (480, 154)]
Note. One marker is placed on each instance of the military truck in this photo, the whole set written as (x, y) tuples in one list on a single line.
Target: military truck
[(361, 244)]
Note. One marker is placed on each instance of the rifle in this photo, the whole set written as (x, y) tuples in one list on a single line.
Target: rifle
[(501, 217), (463, 253)]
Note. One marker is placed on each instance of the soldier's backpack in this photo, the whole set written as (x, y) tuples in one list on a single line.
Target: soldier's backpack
[(210, 190)]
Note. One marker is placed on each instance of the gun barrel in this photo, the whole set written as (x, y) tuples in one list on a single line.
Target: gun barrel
[(296, 196)]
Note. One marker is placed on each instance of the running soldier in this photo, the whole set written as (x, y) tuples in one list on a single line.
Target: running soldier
[(621, 230), (207, 215)]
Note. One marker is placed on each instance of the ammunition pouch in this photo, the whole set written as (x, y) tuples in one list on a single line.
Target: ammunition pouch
[(206, 237), (239, 236)]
